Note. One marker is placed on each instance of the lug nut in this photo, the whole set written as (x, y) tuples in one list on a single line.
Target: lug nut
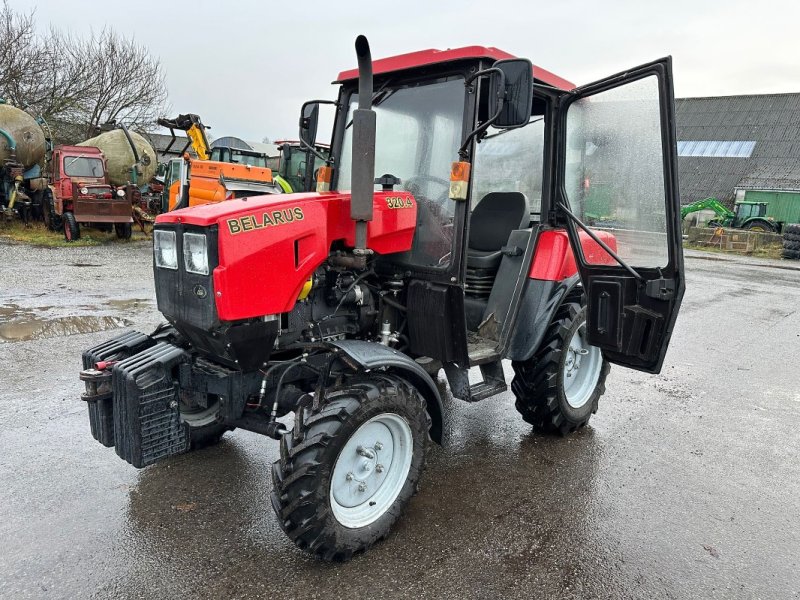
[(362, 487), (379, 468), (378, 446), (365, 452), (349, 477)]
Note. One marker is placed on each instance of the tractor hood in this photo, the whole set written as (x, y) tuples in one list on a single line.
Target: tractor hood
[(269, 246)]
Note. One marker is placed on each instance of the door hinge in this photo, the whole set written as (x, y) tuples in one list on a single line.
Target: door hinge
[(661, 289)]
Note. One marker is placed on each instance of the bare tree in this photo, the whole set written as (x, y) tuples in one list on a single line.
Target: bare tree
[(129, 84), (78, 84)]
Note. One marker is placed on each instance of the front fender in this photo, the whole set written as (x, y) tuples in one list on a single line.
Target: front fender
[(371, 355)]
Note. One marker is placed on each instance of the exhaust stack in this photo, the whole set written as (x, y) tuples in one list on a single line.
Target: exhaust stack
[(363, 174)]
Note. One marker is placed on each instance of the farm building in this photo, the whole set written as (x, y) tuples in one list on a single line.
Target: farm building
[(730, 144)]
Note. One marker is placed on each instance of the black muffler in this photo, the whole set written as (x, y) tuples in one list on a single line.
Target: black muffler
[(363, 171)]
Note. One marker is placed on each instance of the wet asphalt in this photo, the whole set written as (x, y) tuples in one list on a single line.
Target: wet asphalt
[(684, 485)]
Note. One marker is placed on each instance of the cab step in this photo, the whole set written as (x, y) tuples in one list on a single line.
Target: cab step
[(494, 381)]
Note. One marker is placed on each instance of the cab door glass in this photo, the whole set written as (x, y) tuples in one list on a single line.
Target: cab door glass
[(614, 172)]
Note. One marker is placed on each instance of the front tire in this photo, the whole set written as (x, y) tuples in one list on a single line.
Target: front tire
[(72, 230), (558, 389), (349, 467)]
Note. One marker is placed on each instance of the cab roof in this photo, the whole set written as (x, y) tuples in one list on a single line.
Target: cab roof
[(423, 58)]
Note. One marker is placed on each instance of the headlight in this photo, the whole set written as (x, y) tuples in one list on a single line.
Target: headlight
[(121, 193), (84, 191), (195, 256), (164, 249)]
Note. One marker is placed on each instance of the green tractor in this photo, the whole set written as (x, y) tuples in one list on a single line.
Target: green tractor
[(745, 215)]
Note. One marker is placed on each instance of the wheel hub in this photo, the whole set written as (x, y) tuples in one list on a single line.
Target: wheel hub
[(582, 366), (371, 470)]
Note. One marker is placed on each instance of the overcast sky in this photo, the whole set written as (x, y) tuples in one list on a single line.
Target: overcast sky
[(246, 67)]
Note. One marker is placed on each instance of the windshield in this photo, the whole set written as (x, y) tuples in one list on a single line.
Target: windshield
[(231, 155), (417, 138), (83, 166)]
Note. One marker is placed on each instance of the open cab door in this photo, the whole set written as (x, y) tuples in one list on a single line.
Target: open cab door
[(616, 149)]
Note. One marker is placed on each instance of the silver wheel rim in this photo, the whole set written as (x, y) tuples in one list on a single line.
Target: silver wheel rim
[(371, 470), (582, 368)]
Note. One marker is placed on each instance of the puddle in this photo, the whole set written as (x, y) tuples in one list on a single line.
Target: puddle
[(133, 303), (33, 328)]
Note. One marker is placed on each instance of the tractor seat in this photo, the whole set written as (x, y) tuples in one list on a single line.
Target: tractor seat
[(491, 224)]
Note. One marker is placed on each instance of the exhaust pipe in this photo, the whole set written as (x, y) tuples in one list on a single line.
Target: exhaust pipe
[(363, 160)]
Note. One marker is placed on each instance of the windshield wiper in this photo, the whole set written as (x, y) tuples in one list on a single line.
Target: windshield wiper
[(80, 156), (377, 99), (504, 131)]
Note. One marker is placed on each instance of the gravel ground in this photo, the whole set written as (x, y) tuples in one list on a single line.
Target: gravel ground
[(685, 484)]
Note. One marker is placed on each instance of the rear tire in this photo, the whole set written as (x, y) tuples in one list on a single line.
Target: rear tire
[(123, 230), (348, 468), (760, 227), (72, 230), (558, 389), (51, 220)]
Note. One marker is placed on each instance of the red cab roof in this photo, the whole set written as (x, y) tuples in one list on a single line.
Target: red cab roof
[(423, 58), (78, 149)]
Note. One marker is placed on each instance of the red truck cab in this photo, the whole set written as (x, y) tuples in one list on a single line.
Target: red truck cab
[(82, 193)]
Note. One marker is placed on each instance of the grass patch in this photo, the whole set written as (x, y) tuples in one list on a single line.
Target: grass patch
[(38, 235)]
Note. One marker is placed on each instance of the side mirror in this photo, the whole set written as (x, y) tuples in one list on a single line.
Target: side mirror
[(309, 118), (517, 95)]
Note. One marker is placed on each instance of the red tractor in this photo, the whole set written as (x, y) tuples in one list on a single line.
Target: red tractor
[(337, 305)]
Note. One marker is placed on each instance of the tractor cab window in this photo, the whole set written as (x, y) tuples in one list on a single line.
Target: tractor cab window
[(746, 210), (83, 166), (511, 160), (419, 131)]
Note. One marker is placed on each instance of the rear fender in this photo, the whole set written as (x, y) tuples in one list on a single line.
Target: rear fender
[(538, 305), (370, 355)]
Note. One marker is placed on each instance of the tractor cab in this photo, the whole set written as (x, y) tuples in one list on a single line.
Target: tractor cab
[(530, 150), (745, 211)]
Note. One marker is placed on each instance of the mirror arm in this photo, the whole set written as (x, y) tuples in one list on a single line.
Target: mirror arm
[(303, 144), (600, 242), (462, 152)]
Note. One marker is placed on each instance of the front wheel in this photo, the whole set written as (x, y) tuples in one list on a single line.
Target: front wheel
[(349, 467), (558, 389), (72, 230)]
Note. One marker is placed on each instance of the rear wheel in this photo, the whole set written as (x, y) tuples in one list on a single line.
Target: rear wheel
[(123, 230), (558, 389), (72, 230), (349, 467), (759, 227), (51, 220)]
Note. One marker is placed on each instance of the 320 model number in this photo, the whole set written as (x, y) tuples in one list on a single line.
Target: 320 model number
[(399, 202)]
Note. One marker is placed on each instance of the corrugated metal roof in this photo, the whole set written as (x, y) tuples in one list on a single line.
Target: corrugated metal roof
[(771, 121)]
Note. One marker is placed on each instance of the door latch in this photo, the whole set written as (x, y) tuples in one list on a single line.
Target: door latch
[(661, 289)]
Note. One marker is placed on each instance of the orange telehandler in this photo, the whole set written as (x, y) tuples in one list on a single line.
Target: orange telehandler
[(202, 180)]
